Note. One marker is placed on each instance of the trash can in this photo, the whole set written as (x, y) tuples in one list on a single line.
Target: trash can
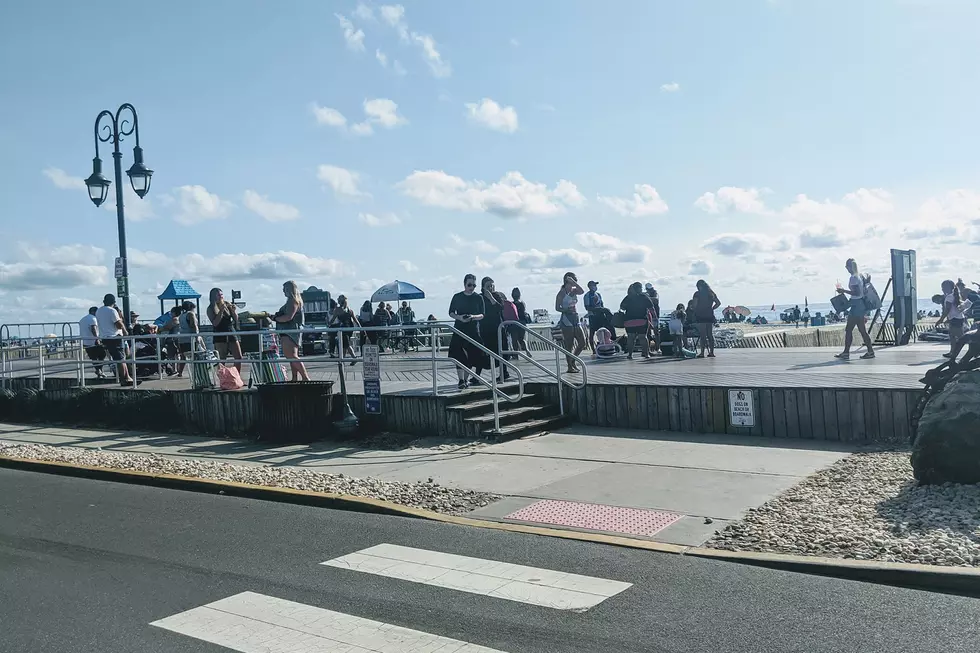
[(295, 412)]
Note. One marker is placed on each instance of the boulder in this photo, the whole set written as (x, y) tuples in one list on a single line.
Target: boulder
[(947, 443)]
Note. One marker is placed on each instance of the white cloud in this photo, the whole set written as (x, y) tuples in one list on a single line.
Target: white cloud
[(699, 268), (329, 117), (41, 275), (139, 258), (474, 245), (75, 254), (480, 264), (382, 58), (534, 259), (670, 87), (343, 182), (384, 112), (408, 266), (959, 204), (364, 12), (645, 202), (612, 249), (63, 180), (733, 198), (493, 116), (195, 204), (396, 66), (872, 201), (945, 231), (280, 265), (354, 37), (67, 304), (512, 196), (731, 244), (369, 285), (394, 15), (271, 211), (383, 220), (515, 43), (136, 209), (445, 251), (821, 238)]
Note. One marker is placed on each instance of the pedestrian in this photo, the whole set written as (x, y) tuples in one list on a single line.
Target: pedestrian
[(705, 303), (638, 308), (112, 328), (88, 329), (517, 333), (290, 318), (224, 319), (857, 312), (654, 296), (572, 335), (676, 326), (467, 309), (490, 326), (190, 339), (806, 316), (345, 319), (954, 313), (592, 301), (366, 318)]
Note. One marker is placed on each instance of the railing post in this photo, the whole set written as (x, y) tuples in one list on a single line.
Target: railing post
[(432, 338), (40, 367), (561, 400), (3, 366), (159, 357), (496, 399), (80, 358)]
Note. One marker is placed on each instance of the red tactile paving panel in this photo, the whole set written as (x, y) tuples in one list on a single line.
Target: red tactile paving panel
[(597, 517)]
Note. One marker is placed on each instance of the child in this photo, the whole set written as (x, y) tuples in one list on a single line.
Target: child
[(676, 326)]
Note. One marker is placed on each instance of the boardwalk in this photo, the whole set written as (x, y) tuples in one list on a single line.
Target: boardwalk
[(897, 367)]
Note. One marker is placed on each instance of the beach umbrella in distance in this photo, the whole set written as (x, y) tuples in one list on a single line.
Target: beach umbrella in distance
[(742, 310), (773, 308), (397, 291)]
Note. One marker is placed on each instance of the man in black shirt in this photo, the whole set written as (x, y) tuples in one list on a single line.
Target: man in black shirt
[(654, 296)]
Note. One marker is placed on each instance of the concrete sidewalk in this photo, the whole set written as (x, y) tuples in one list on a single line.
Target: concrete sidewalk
[(707, 480)]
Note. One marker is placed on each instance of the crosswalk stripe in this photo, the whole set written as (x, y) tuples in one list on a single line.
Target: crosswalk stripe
[(256, 623), (551, 589)]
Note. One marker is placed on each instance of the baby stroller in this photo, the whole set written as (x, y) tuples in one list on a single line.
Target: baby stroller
[(605, 347)]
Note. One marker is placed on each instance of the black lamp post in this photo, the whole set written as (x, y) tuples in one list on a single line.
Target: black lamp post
[(139, 177)]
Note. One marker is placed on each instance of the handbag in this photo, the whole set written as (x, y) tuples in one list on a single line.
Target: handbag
[(840, 303), (229, 378)]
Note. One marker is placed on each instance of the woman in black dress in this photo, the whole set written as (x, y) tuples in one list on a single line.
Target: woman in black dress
[(489, 325), (467, 309)]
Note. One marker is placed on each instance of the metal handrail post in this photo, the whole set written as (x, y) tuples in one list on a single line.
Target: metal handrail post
[(40, 367), (80, 359), (159, 359), (435, 381), (3, 366), (561, 400)]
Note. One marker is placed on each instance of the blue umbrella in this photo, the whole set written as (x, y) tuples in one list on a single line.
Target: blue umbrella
[(397, 291)]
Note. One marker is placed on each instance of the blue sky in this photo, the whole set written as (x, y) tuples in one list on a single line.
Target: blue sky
[(755, 143)]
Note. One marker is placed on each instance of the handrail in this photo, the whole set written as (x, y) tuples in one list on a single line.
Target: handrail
[(78, 362), (558, 351)]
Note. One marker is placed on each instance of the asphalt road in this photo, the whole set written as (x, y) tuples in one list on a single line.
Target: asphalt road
[(87, 565)]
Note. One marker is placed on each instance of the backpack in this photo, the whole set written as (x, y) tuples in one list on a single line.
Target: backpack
[(509, 311), (871, 297)]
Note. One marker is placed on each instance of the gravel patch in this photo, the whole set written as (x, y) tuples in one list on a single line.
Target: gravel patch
[(425, 495), (866, 507)]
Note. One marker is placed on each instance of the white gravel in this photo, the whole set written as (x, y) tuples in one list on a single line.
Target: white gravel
[(867, 507), (426, 495)]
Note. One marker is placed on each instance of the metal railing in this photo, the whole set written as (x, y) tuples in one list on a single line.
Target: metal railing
[(559, 350), (428, 331)]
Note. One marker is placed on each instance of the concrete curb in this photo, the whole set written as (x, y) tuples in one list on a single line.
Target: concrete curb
[(953, 580)]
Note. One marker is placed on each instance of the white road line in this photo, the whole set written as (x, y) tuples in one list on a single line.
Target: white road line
[(551, 589), (255, 623)]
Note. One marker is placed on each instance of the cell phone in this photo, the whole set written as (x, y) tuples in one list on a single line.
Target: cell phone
[(467, 316)]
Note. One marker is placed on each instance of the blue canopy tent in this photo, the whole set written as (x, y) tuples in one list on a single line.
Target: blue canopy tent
[(177, 291), (397, 291)]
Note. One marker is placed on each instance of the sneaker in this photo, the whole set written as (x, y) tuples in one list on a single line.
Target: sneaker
[(129, 384), (461, 385), (711, 355), (843, 356), (474, 381), (868, 355)]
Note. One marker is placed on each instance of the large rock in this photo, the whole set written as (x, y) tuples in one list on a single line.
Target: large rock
[(947, 446)]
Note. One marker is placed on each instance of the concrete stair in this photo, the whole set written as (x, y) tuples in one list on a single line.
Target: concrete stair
[(532, 415)]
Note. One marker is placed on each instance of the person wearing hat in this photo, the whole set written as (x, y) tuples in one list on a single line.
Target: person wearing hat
[(344, 317), (592, 301), (651, 292)]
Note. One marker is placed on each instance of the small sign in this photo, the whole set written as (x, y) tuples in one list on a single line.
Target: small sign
[(741, 407), (120, 268), (239, 304), (372, 361), (122, 287), (372, 396)]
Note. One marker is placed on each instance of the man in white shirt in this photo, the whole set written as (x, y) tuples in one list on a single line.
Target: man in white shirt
[(88, 328), (112, 329)]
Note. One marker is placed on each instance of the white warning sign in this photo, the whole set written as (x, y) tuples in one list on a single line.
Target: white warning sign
[(741, 407)]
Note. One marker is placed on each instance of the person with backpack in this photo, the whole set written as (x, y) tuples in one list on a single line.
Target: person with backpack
[(860, 304)]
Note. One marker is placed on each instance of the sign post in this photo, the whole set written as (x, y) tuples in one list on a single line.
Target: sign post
[(372, 379), (741, 408)]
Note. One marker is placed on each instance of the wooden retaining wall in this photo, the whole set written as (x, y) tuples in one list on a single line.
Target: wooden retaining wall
[(813, 337), (846, 415)]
